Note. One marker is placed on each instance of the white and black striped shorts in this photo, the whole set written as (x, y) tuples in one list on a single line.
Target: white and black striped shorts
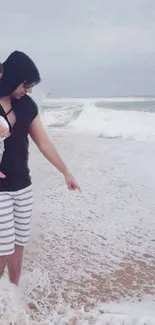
[(15, 217)]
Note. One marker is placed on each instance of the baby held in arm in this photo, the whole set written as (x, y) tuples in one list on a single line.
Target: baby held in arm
[(4, 131)]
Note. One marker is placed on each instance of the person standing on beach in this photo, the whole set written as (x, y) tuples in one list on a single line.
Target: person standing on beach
[(20, 74)]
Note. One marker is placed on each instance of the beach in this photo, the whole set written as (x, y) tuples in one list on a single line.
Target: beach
[(97, 246), (86, 69), (91, 255)]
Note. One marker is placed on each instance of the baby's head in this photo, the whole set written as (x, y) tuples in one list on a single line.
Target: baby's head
[(1, 70)]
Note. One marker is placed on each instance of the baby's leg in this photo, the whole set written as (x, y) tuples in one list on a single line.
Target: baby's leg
[(1, 156), (3, 125)]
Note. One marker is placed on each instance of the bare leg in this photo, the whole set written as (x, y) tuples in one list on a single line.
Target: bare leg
[(14, 264), (3, 260), (1, 174)]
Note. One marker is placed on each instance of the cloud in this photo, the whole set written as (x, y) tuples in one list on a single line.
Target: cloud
[(70, 39)]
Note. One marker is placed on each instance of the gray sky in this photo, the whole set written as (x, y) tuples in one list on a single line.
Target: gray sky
[(85, 48)]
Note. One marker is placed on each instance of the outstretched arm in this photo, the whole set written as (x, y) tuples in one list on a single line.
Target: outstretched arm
[(47, 148)]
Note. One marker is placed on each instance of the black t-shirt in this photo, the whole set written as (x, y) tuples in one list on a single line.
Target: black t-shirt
[(15, 157)]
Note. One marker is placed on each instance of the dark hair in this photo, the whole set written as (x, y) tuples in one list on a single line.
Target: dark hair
[(1, 68), (18, 68)]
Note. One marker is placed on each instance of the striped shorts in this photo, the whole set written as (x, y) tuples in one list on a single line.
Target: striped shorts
[(15, 217)]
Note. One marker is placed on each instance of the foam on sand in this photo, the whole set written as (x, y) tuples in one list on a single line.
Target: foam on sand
[(90, 260), (37, 308)]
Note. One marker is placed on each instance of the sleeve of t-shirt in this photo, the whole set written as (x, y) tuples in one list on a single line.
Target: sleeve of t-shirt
[(32, 109)]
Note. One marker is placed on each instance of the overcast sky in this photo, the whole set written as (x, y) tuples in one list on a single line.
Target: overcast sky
[(85, 48)]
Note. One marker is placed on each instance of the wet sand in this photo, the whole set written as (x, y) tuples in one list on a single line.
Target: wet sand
[(98, 245), (96, 248)]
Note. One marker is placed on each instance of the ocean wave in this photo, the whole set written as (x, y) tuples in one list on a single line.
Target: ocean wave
[(128, 99), (110, 123), (139, 106), (61, 116), (49, 101), (120, 121)]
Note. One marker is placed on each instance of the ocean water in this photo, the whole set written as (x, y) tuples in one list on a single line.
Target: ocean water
[(122, 118)]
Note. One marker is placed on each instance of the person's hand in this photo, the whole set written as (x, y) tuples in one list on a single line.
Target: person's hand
[(2, 175), (71, 183), (4, 132)]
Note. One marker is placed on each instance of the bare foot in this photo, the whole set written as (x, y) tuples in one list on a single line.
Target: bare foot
[(2, 175)]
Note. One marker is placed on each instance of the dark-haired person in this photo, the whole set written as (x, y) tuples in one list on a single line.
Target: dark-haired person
[(21, 112)]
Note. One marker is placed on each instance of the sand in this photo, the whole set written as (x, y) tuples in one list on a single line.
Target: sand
[(94, 250)]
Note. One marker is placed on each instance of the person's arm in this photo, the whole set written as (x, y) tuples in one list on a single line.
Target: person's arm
[(47, 148)]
